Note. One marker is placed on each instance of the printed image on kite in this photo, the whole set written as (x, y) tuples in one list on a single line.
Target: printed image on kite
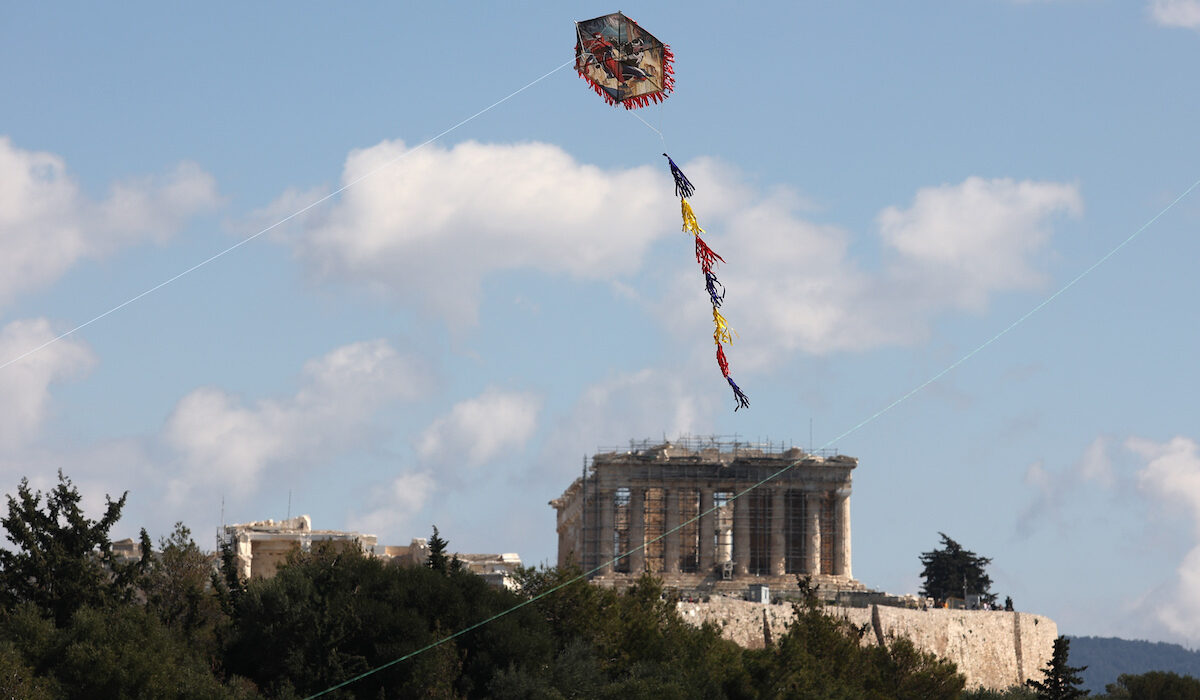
[(622, 62)]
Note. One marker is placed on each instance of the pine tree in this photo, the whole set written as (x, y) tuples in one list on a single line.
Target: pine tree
[(438, 561), (952, 570), (1061, 681), (61, 560)]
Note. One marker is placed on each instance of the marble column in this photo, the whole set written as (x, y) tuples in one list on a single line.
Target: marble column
[(564, 546), (778, 532), (841, 552), (708, 531), (604, 533), (671, 539), (812, 509), (741, 536), (637, 530)]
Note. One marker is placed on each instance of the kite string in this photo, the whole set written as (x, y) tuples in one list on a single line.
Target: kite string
[(651, 127), (285, 219), (870, 419)]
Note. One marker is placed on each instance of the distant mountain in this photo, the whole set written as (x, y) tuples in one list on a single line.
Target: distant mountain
[(1108, 657)]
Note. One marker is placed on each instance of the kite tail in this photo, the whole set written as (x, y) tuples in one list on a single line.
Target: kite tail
[(712, 285), (683, 186), (708, 259), (706, 256), (743, 401)]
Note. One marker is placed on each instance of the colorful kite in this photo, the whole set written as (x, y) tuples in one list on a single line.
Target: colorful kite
[(626, 65), (622, 62)]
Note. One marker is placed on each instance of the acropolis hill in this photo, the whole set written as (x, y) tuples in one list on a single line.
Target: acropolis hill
[(673, 509)]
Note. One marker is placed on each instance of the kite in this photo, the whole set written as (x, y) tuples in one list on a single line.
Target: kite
[(627, 65), (622, 62)]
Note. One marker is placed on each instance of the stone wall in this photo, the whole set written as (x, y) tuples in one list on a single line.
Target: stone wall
[(992, 648)]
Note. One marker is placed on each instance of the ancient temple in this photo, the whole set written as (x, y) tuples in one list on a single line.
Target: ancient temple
[(705, 514)]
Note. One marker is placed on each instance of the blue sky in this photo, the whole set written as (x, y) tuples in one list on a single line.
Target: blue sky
[(447, 338)]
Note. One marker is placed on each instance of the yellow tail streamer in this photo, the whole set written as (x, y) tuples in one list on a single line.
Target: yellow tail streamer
[(722, 333), (689, 218)]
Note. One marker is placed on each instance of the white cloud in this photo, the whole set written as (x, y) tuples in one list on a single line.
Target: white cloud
[(479, 429), (220, 440), (644, 404), (1096, 464), (394, 508), (25, 385), (793, 284), (960, 243), (47, 224), (1052, 491), (430, 225), (1176, 13), (1172, 476)]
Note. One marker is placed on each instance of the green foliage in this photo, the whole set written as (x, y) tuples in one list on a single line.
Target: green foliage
[(1107, 658), (113, 652), (633, 644), (822, 656), (331, 614), (438, 561), (179, 589), (18, 679), (61, 560), (949, 570), (1061, 681), (170, 626), (1154, 685)]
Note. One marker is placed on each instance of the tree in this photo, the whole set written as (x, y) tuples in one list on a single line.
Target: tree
[(62, 560), (438, 561), (1061, 681), (822, 656), (1155, 685), (179, 590), (333, 613), (952, 570)]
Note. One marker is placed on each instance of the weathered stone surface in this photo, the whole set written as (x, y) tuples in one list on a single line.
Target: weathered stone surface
[(673, 509), (992, 648)]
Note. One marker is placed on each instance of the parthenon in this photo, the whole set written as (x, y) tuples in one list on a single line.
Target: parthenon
[(674, 509)]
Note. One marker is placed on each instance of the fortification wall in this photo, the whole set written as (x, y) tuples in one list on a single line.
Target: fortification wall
[(992, 648)]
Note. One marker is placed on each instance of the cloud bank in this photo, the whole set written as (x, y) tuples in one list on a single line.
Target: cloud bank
[(25, 385), (427, 227), (1171, 476), (480, 429), (221, 441), (47, 224), (793, 285), (1176, 13)]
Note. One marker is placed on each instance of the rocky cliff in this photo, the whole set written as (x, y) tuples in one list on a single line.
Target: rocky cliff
[(992, 648)]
